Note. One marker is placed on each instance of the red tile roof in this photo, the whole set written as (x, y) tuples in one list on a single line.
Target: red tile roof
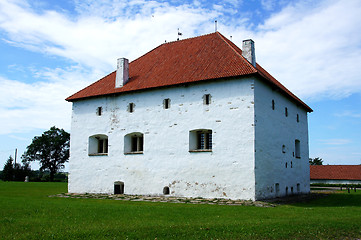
[(207, 57), (333, 172)]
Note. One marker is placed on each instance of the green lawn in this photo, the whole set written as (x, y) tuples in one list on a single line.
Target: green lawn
[(28, 213)]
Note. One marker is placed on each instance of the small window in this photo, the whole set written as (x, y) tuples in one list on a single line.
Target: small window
[(286, 112), (207, 99), (166, 190), (118, 187), (277, 187), (166, 103), (286, 191), (131, 107), (99, 111), (98, 145), (297, 148), (273, 104), (286, 165), (283, 149), (298, 187), (291, 165), (133, 143), (291, 190), (200, 140), (298, 118)]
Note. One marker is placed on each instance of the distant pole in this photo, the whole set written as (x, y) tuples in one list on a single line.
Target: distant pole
[(16, 153), (215, 26)]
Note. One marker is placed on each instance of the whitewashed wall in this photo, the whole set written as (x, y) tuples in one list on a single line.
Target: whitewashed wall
[(273, 130), (226, 172)]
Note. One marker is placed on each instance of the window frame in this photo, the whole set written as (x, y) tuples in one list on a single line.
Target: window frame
[(98, 145), (134, 143), (201, 140)]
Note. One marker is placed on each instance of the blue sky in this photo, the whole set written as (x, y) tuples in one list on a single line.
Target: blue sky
[(50, 49)]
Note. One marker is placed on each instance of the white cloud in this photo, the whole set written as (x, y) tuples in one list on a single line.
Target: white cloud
[(315, 51), (335, 141), (42, 104)]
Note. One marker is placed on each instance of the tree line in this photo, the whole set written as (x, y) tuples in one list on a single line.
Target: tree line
[(51, 150)]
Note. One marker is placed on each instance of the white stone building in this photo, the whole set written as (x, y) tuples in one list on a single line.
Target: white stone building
[(194, 118)]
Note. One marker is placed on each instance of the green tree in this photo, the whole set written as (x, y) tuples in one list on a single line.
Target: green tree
[(51, 149), (8, 171), (316, 161)]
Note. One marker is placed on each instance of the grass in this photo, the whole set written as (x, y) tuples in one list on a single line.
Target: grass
[(28, 213)]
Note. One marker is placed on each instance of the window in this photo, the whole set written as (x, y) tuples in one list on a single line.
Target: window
[(286, 112), (273, 104), (166, 103), (98, 145), (283, 149), (119, 187), (207, 99), (297, 148), (131, 107), (133, 143), (298, 118), (200, 140), (277, 186), (166, 190), (298, 187), (99, 111)]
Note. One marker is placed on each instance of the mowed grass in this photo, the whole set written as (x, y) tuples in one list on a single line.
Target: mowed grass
[(27, 212)]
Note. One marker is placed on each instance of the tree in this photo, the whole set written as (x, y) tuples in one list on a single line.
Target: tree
[(8, 171), (51, 149), (315, 161)]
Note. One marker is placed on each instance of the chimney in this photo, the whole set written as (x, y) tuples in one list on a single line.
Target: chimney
[(248, 51), (122, 74)]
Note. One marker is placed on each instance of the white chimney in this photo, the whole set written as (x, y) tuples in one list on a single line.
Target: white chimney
[(248, 51), (122, 75)]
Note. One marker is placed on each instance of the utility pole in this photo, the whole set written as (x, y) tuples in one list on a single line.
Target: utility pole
[(16, 153)]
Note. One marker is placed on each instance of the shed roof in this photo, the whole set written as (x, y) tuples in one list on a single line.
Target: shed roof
[(207, 57), (335, 172)]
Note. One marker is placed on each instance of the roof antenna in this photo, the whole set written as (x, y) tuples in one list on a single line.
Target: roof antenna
[(179, 34), (215, 26)]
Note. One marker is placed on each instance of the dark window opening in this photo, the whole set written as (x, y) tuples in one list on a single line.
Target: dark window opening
[(166, 190), (286, 112), (286, 165), (273, 104), (118, 188), (137, 144), (297, 149), (166, 103), (131, 107), (207, 99), (99, 111), (204, 140), (102, 145), (298, 118)]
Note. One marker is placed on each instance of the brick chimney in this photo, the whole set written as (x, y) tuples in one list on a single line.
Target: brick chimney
[(122, 74), (248, 51)]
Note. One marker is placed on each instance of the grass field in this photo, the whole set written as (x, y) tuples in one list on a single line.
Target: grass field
[(28, 213)]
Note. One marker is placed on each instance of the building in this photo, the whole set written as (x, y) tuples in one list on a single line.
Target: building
[(194, 118), (335, 174)]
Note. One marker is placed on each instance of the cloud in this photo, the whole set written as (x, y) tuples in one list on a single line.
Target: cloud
[(349, 114), (335, 141), (306, 45), (312, 49), (40, 105)]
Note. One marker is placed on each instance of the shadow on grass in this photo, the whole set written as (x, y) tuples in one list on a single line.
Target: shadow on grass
[(323, 199)]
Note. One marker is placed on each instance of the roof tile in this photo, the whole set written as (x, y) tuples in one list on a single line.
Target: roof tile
[(207, 57), (333, 172)]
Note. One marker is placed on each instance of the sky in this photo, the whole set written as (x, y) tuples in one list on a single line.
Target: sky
[(50, 49)]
